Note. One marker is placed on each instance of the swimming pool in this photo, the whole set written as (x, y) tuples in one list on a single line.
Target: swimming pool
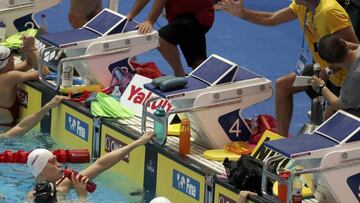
[(16, 180)]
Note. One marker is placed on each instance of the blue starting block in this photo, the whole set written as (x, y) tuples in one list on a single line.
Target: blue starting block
[(331, 154), (213, 98)]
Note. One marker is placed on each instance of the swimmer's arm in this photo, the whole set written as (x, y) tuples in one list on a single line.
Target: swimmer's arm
[(30, 121), (31, 62), (107, 161), (22, 66), (32, 59), (17, 77)]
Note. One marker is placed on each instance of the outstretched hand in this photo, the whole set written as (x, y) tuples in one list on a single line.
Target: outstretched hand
[(145, 138), (231, 6), (56, 100), (243, 195)]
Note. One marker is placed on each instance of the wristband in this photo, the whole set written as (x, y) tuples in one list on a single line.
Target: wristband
[(321, 87), (30, 50)]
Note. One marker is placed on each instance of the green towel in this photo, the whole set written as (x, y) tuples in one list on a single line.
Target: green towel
[(107, 106), (15, 42)]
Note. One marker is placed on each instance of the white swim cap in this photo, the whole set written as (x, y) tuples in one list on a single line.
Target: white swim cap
[(160, 200), (4, 56), (37, 160)]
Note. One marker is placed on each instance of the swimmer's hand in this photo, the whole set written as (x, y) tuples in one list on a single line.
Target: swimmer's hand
[(28, 43), (55, 101), (145, 138), (80, 185), (145, 27)]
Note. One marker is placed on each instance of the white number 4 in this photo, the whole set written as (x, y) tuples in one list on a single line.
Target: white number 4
[(235, 128)]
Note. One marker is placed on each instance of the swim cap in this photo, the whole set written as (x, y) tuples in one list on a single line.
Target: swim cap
[(4, 56), (38, 159), (160, 200)]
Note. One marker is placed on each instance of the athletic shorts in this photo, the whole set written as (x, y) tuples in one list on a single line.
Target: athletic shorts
[(189, 34), (85, 7), (308, 71)]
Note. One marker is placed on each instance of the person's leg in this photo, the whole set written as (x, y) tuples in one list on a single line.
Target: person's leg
[(185, 31), (194, 48), (170, 36), (96, 10), (77, 20), (284, 102), (79, 12), (171, 54), (193, 43), (329, 110)]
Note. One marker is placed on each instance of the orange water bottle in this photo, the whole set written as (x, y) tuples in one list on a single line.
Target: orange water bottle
[(282, 188), (184, 144)]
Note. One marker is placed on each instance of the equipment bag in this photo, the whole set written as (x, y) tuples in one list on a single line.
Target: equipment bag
[(148, 69), (246, 174)]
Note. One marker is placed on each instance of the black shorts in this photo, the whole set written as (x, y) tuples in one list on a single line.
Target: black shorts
[(308, 71), (189, 34)]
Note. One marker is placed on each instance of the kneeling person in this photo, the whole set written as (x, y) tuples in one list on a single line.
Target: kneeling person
[(340, 53)]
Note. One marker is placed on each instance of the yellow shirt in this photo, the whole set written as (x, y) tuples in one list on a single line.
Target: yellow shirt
[(329, 17)]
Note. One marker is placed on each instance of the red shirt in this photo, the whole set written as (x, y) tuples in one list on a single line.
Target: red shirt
[(202, 9)]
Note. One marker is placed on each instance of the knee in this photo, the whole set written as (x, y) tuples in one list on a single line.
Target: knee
[(283, 85), (165, 43)]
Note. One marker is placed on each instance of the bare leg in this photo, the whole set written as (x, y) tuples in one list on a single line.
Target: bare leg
[(329, 111), (197, 63), (171, 55), (284, 102), (77, 20)]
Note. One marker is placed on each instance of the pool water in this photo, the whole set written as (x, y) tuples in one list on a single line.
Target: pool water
[(16, 181)]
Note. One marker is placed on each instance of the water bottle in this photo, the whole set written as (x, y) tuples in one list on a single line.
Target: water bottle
[(2, 31), (254, 125), (296, 193), (67, 75), (72, 156), (282, 188), (90, 186), (184, 143), (159, 127), (116, 94)]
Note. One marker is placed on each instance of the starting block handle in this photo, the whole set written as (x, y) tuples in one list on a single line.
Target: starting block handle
[(17, 7)]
